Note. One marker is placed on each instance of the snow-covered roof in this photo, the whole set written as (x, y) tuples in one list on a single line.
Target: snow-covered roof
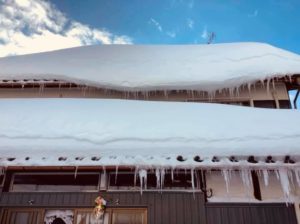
[(138, 133), (160, 67)]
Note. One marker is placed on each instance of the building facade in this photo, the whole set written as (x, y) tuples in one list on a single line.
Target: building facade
[(219, 185)]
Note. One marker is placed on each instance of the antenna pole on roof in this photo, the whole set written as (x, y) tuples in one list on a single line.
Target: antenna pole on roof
[(211, 37)]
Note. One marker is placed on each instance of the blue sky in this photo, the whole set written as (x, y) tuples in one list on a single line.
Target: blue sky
[(29, 26), (185, 21)]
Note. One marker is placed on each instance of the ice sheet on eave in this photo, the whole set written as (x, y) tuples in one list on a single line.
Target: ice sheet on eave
[(160, 67), (140, 132)]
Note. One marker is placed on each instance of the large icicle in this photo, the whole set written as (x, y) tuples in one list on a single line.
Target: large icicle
[(143, 179), (162, 178), (266, 177), (193, 179), (297, 175), (285, 183), (225, 174), (157, 174), (247, 180), (116, 174)]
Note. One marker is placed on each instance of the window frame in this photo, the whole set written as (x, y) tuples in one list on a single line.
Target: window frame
[(138, 189), (53, 173)]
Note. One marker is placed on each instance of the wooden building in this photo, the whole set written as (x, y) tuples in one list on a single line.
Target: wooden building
[(57, 156)]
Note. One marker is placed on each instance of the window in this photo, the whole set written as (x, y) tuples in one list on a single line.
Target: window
[(245, 103), (128, 216), (264, 103), (21, 216), (113, 216), (126, 181), (86, 216), (60, 182), (238, 103)]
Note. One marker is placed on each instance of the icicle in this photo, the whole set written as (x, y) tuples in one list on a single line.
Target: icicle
[(273, 84), (104, 170), (285, 184), (266, 177), (268, 86), (249, 87), (75, 173), (41, 89), (247, 180), (290, 176), (157, 174), (238, 91), (297, 174), (277, 174), (262, 83), (172, 175), (162, 178), (193, 96), (143, 179), (231, 93), (116, 175), (135, 175), (290, 78), (192, 180), (225, 174)]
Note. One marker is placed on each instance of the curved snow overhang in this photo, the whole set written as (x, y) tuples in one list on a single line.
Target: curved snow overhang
[(149, 68), (157, 161), (138, 133)]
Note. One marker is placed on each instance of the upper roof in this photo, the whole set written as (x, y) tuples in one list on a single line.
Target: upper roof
[(160, 67)]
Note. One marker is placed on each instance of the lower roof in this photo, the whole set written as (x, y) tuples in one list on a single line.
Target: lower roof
[(59, 132)]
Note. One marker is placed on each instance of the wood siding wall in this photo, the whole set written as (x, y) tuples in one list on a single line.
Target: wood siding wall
[(242, 213), (163, 208)]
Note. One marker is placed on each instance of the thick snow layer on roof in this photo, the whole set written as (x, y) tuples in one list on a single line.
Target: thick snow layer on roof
[(123, 132), (138, 67)]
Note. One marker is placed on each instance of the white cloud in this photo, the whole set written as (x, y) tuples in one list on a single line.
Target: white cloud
[(204, 33), (156, 24), (171, 34), (190, 23), (254, 14), (30, 26)]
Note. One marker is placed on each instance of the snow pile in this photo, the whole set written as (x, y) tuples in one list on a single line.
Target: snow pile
[(143, 68), (116, 129)]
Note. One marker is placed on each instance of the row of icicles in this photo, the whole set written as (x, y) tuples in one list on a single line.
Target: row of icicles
[(289, 178), (144, 94)]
